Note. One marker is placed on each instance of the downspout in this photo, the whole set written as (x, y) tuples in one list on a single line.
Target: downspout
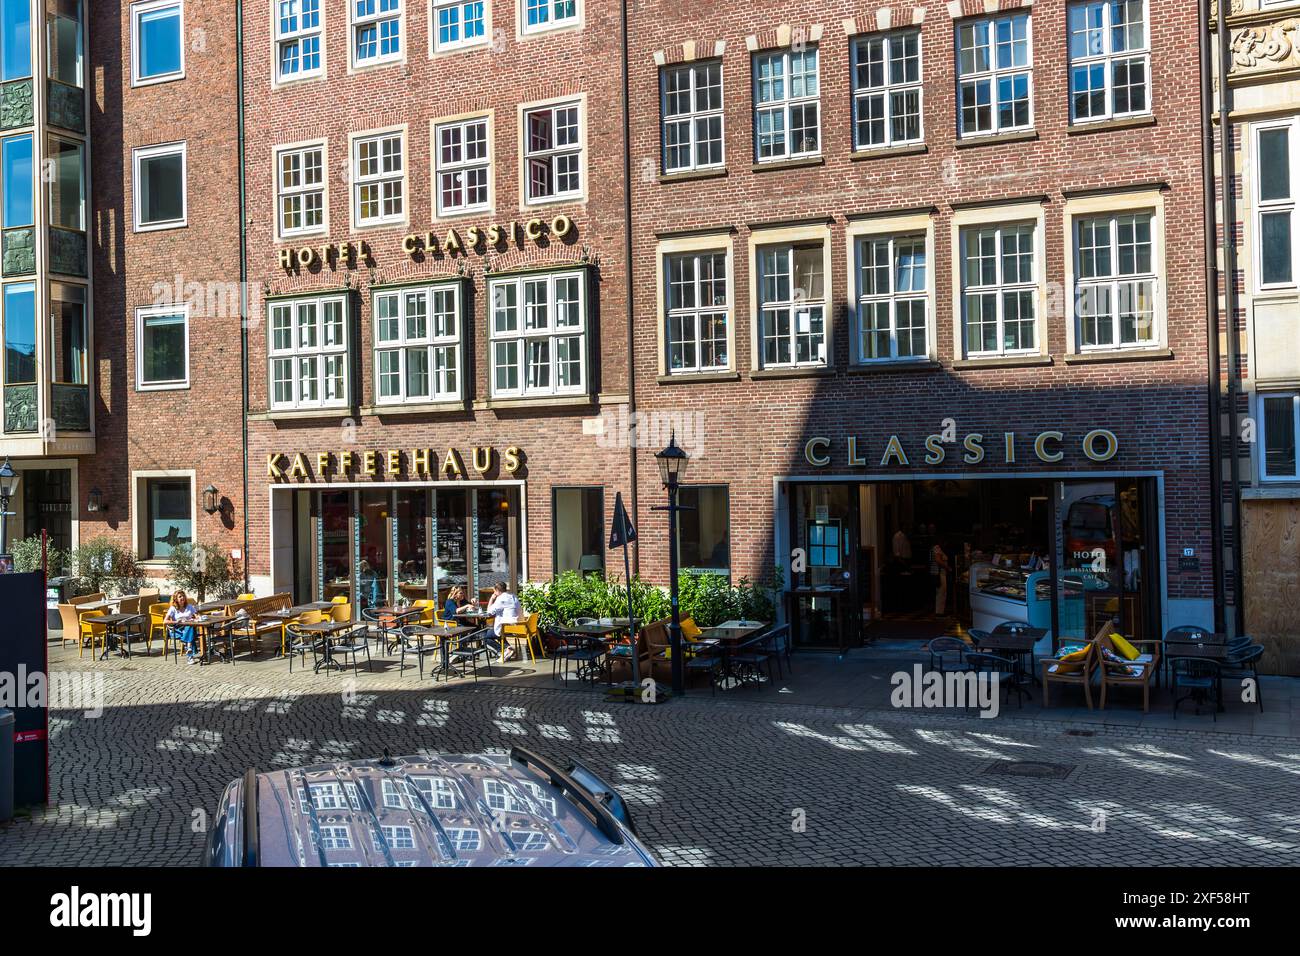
[(1230, 302), (632, 434), (243, 273), (1212, 310)]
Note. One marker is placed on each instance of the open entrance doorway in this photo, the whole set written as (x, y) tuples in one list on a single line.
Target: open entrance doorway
[(880, 560)]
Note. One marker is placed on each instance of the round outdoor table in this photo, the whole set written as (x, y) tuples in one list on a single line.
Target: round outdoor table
[(444, 633), (327, 630), (115, 627), (201, 624)]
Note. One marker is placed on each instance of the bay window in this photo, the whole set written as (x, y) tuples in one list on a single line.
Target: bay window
[(308, 353), (417, 345), (538, 335)]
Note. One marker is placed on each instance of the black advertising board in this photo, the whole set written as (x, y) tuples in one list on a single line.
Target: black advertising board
[(24, 660)]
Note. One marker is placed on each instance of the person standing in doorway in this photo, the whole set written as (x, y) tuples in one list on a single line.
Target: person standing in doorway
[(939, 571)]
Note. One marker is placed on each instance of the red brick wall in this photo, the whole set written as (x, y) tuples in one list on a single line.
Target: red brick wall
[(500, 77), (756, 429), (196, 428)]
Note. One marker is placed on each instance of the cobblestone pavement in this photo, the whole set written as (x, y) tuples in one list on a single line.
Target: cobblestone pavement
[(711, 781)]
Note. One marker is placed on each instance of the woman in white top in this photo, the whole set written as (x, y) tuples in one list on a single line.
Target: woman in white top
[(506, 609)]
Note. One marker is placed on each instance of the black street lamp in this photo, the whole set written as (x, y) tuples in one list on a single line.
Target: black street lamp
[(672, 470), (8, 488)]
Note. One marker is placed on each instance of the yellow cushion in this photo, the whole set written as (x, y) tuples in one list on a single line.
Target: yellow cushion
[(1123, 648), (689, 629), (1070, 663)]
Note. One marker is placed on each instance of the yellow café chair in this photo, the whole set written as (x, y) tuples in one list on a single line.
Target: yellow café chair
[(157, 625), (92, 632), (526, 631), (428, 611), (341, 612), (246, 596)]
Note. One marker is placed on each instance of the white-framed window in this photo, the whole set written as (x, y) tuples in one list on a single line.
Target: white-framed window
[(787, 105), (893, 277), (298, 38), (308, 352), (376, 31), (458, 23), (300, 183), (538, 334), (696, 296), (335, 837), (1277, 188), (1280, 422), (378, 179), (157, 41), (462, 166), (999, 289), (160, 187), (1115, 281), (692, 116), (1110, 59), (792, 304), (995, 83), (162, 350), (539, 15), (887, 89), (417, 344), (553, 153)]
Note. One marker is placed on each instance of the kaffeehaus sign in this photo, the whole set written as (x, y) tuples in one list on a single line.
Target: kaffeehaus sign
[(414, 463)]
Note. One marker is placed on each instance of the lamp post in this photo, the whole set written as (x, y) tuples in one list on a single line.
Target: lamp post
[(672, 469), (8, 488)]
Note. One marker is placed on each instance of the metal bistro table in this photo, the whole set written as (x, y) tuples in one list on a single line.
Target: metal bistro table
[(725, 638), (391, 618), (444, 634), (1018, 643), (1202, 651), (115, 627), (327, 631), (593, 634), (202, 624)]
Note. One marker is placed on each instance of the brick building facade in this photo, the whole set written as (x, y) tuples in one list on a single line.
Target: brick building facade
[(435, 293), (822, 168)]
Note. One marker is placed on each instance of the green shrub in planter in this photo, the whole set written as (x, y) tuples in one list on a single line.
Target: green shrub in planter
[(27, 556)]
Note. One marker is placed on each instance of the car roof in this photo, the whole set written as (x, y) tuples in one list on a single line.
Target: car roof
[(435, 810)]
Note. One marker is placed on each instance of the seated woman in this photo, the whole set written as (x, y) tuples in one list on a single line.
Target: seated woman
[(455, 604), (505, 607), (177, 621)]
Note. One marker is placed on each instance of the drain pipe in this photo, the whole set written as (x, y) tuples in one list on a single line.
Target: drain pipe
[(243, 272), (1230, 303), (631, 309), (1212, 309)]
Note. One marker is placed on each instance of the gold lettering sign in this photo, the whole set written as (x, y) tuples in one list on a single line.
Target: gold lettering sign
[(451, 466), (299, 469), (1040, 447), (369, 463), (482, 459), (935, 453), (894, 450), (322, 464), (393, 465), (273, 466), (420, 461), (1090, 444), (512, 459), (854, 458), (974, 445), (345, 462), (814, 458), (1009, 440)]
